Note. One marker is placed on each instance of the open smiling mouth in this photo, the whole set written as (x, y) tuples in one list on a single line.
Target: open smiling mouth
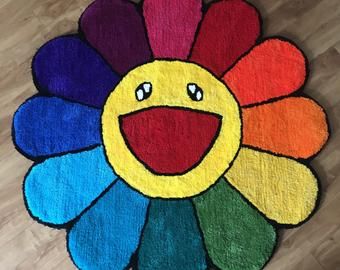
[(170, 140)]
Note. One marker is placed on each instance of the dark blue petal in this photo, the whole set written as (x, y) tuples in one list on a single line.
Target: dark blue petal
[(45, 126), (108, 234), (59, 189), (67, 67), (171, 239)]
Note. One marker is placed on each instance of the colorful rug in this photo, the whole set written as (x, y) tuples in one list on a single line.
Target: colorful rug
[(170, 135)]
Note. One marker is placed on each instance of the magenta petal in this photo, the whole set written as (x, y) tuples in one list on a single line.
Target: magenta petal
[(171, 26), (116, 29)]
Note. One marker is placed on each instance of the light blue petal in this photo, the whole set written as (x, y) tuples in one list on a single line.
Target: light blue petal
[(106, 236), (60, 188)]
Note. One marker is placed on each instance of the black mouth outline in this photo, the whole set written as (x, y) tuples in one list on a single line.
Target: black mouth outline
[(207, 150)]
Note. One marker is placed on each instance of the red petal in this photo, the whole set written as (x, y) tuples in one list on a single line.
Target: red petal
[(229, 29)]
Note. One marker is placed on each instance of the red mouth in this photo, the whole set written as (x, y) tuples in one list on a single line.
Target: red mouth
[(170, 140)]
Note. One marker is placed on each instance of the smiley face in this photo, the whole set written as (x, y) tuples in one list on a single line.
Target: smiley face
[(171, 129)]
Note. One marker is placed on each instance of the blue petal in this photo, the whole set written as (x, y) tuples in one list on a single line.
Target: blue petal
[(106, 236), (45, 126), (68, 67), (60, 188), (171, 239)]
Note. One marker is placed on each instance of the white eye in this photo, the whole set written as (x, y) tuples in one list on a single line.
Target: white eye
[(195, 92), (143, 91)]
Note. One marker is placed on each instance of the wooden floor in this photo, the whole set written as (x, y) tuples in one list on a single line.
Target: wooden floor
[(26, 25)]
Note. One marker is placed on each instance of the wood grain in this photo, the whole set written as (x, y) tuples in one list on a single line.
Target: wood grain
[(25, 25)]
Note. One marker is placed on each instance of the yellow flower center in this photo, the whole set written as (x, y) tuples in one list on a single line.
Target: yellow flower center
[(171, 129)]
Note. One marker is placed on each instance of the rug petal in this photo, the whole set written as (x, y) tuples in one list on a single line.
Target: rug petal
[(67, 67), (171, 239), (228, 30), (46, 126), (116, 29), (171, 26), (107, 235), (60, 188), (282, 189), (272, 69), (236, 235), (294, 126)]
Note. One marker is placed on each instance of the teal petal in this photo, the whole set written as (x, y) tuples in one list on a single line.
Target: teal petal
[(171, 238), (107, 235)]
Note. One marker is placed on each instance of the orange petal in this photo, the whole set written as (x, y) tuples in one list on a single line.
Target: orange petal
[(294, 126), (272, 69)]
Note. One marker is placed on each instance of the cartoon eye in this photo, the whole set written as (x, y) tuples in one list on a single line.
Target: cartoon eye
[(195, 92), (143, 91)]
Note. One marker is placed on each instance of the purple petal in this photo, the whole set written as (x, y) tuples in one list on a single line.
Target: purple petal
[(116, 29), (67, 67)]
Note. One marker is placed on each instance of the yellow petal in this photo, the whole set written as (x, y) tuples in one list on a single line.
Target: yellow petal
[(281, 188)]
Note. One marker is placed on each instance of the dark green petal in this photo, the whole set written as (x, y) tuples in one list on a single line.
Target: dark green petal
[(236, 236), (171, 238)]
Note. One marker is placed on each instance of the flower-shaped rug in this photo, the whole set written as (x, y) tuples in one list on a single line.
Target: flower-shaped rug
[(170, 135)]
